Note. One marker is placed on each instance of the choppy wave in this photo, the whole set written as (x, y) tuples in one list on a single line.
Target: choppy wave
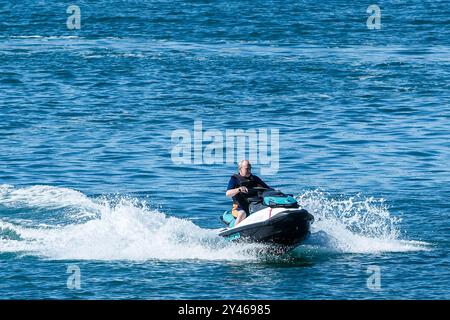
[(354, 224), (125, 228)]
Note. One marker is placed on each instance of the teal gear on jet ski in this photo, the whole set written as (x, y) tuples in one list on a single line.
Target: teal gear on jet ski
[(275, 201), (228, 219)]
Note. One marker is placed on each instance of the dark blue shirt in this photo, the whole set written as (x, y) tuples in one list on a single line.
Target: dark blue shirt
[(234, 183)]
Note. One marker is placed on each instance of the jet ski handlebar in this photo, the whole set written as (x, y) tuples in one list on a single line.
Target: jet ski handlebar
[(256, 194), (259, 189)]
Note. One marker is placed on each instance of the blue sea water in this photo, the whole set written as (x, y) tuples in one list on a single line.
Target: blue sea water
[(88, 181)]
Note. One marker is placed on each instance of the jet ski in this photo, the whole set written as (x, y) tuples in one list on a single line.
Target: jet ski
[(274, 218)]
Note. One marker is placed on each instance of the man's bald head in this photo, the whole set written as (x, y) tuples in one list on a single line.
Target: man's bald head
[(245, 168)]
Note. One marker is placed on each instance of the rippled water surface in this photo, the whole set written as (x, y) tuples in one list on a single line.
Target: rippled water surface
[(88, 181)]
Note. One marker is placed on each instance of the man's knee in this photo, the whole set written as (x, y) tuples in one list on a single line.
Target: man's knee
[(242, 214)]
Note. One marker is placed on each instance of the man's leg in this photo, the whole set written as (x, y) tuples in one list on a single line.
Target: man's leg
[(241, 216)]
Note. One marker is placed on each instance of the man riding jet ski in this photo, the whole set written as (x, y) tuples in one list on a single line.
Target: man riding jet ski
[(238, 190), (262, 214)]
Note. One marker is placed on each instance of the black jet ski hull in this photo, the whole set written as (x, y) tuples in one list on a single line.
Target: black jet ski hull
[(287, 229)]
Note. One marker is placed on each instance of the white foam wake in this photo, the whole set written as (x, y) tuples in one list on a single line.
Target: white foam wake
[(124, 228), (354, 225), (49, 198), (121, 229)]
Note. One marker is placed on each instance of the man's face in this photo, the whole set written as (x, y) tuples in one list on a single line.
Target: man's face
[(245, 170)]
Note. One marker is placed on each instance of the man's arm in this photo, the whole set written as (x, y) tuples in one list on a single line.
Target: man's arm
[(232, 192), (233, 188)]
